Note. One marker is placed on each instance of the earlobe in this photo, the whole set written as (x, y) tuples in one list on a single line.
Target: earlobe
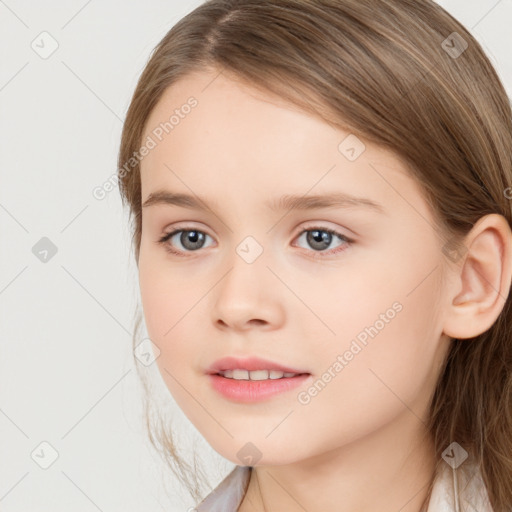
[(483, 278)]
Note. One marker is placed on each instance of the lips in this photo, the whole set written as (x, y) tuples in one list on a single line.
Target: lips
[(251, 364)]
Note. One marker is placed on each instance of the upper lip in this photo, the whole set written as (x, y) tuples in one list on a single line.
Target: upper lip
[(250, 363)]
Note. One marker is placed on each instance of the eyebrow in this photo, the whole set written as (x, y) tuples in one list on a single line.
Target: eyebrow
[(285, 202)]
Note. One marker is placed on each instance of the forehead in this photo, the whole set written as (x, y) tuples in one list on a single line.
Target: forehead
[(226, 109), (215, 87), (236, 138)]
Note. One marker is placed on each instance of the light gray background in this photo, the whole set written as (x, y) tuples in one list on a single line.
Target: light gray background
[(66, 371)]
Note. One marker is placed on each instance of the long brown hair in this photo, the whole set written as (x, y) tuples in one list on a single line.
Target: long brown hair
[(407, 76)]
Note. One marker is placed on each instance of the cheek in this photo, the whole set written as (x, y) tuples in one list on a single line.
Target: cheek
[(155, 295), (363, 386), (166, 299), (368, 294), (165, 294), (169, 299), (387, 325)]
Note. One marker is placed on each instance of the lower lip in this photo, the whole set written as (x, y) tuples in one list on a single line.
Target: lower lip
[(254, 390)]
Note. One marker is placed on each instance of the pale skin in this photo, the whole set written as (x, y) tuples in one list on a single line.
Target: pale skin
[(359, 444)]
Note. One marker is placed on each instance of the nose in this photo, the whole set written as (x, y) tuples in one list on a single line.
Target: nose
[(247, 296)]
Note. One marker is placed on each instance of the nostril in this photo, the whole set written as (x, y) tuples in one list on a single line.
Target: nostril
[(257, 321)]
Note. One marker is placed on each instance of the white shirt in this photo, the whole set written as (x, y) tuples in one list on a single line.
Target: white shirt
[(460, 490)]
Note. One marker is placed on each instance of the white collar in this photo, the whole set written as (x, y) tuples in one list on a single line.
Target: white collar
[(460, 490)]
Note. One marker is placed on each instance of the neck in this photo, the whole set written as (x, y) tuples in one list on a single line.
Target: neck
[(388, 470)]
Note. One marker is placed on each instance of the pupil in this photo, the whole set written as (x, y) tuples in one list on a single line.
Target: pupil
[(191, 239), (319, 237)]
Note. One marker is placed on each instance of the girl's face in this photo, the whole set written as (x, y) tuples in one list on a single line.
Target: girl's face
[(360, 311)]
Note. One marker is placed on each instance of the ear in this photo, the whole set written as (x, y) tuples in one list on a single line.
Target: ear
[(482, 268)]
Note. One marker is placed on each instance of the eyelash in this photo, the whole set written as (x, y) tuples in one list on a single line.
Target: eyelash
[(316, 254)]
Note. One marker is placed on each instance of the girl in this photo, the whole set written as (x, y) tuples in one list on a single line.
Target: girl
[(321, 202)]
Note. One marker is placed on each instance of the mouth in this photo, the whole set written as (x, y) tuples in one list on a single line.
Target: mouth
[(246, 380), (252, 368), (257, 375), (259, 390)]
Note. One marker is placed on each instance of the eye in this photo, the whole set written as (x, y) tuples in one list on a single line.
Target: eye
[(190, 239), (320, 238)]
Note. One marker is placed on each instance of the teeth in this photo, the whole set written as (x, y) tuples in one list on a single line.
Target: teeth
[(256, 374), (240, 375)]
